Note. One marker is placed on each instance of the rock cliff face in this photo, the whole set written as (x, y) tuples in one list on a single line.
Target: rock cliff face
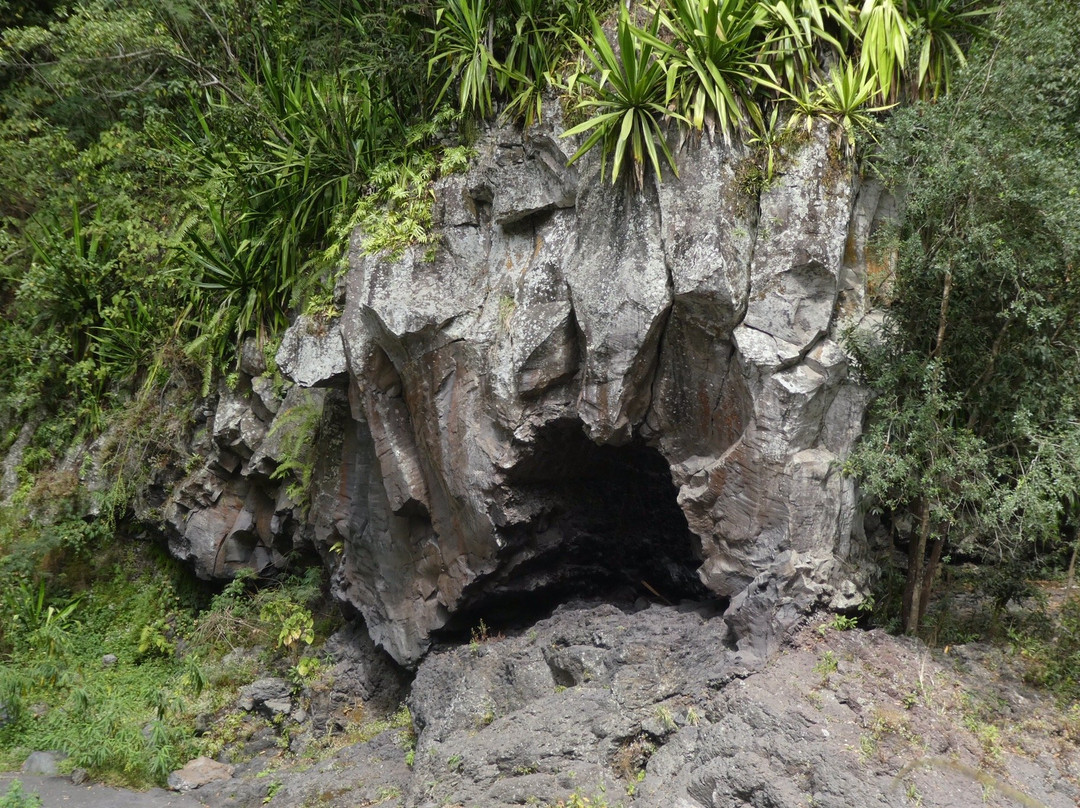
[(587, 390)]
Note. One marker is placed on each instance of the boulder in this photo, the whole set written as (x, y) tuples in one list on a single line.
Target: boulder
[(312, 353), (199, 772), (271, 696), (43, 764)]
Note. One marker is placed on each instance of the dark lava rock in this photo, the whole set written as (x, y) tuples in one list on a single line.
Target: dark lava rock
[(270, 696)]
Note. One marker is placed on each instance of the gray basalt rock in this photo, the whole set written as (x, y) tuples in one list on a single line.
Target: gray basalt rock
[(312, 354), (271, 696), (567, 330), (587, 390), (235, 511), (529, 718), (198, 773), (43, 763), (642, 707)]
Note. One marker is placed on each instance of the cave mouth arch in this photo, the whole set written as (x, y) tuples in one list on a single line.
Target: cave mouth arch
[(585, 522)]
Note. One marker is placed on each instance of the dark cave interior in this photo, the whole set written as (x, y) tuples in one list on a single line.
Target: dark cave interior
[(605, 525)]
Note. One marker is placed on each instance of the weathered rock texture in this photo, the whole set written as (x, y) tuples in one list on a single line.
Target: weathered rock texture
[(567, 330), (638, 709), (588, 391)]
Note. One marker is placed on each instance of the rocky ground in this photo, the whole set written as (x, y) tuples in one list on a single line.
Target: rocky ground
[(599, 705), (604, 706)]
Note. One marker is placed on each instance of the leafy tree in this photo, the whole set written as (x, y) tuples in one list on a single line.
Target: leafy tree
[(976, 427)]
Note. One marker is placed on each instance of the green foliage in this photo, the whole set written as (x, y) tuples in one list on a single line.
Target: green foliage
[(839, 622), (176, 178), (293, 623), (1050, 647), (132, 722), (85, 212), (297, 428), (629, 98), (724, 62), (843, 100), (406, 737), (773, 145), (974, 429), (15, 797), (508, 50), (939, 28), (799, 34), (94, 713), (396, 214), (275, 200), (462, 43), (533, 56), (280, 612), (711, 61), (306, 670), (885, 33), (826, 667)]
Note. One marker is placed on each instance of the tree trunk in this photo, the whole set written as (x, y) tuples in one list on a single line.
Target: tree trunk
[(929, 573), (913, 591), (1070, 580)]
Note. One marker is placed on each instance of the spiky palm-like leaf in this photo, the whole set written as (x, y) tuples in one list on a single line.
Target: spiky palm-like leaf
[(885, 36), (461, 51), (797, 30), (629, 96), (530, 59), (942, 24), (844, 100), (711, 60)]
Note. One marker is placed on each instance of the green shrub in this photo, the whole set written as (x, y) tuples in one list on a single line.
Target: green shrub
[(15, 797), (1051, 650), (973, 432)]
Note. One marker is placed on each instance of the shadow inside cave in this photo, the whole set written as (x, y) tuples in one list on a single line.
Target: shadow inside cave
[(585, 522)]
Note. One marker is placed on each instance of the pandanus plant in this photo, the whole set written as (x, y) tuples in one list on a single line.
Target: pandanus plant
[(709, 52), (628, 92), (943, 26)]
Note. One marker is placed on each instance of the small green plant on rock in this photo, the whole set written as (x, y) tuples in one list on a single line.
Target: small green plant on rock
[(298, 429), (843, 101), (306, 670), (485, 718), (406, 738), (826, 667), (692, 717), (271, 791), (294, 623), (839, 622), (579, 800), (913, 794)]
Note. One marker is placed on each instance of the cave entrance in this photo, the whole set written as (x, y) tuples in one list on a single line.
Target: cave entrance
[(600, 523)]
